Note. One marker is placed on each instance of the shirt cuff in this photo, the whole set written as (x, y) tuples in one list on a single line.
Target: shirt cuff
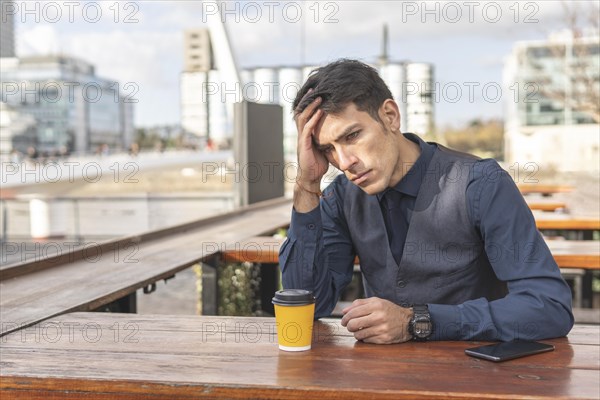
[(446, 322), (305, 226)]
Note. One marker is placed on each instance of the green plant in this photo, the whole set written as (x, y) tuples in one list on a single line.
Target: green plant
[(239, 290)]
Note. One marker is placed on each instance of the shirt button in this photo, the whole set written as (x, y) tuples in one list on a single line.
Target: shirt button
[(311, 226), (401, 283)]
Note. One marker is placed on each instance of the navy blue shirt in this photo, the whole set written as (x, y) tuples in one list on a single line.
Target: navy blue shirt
[(404, 197), (321, 259)]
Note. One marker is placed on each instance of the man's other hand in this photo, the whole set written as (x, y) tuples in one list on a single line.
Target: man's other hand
[(376, 320)]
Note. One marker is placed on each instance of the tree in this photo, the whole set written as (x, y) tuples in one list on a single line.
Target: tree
[(484, 138), (574, 82)]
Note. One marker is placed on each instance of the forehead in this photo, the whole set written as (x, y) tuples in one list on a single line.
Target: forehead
[(331, 126)]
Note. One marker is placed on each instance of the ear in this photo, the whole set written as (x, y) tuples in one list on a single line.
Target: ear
[(390, 115)]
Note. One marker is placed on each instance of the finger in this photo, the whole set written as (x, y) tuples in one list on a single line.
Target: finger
[(308, 93), (359, 324), (305, 115), (354, 304), (357, 312), (367, 335), (314, 121), (307, 133)]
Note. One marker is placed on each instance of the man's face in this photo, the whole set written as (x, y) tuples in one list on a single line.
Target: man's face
[(366, 151)]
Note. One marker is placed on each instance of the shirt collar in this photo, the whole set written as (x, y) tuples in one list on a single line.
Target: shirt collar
[(411, 182)]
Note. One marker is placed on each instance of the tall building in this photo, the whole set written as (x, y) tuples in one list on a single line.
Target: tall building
[(197, 51), (418, 98), (7, 29), (548, 84), (198, 62), (74, 109), (208, 89)]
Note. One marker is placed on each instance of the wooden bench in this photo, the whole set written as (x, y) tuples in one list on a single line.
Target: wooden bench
[(93, 276), (572, 257)]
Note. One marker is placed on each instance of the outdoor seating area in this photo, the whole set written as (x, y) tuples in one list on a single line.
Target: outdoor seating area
[(225, 199), (50, 338)]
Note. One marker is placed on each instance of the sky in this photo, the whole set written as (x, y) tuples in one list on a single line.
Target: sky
[(141, 42)]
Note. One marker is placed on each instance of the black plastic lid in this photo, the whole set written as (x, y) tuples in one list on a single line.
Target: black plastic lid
[(293, 297)]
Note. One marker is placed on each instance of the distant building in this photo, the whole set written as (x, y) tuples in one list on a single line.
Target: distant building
[(74, 109), (197, 51), (207, 90), (198, 61), (7, 29), (543, 122), (411, 85), (204, 90), (18, 130)]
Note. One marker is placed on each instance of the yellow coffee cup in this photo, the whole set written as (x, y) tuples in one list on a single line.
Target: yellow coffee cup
[(294, 315)]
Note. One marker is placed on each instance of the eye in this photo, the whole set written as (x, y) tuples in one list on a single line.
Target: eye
[(352, 135), (327, 149)]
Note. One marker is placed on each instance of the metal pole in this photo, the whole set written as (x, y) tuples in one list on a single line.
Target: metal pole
[(76, 218), (4, 237)]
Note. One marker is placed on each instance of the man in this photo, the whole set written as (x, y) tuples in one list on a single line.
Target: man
[(448, 248)]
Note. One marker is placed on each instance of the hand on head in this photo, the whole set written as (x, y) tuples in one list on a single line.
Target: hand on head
[(312, 163)]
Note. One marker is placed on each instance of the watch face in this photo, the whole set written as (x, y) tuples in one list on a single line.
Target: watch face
[(422, 329)]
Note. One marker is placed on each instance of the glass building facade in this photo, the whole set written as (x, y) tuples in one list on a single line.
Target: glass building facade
[(74, 110)]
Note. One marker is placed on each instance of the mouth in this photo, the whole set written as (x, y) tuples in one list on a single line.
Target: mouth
[(360, 178)]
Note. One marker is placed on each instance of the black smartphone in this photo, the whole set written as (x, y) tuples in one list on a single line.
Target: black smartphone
[(509, 350)]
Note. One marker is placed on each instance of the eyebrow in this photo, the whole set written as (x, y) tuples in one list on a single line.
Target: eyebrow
[(345, 132)]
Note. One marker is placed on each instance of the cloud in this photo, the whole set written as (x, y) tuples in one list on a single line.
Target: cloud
[(38, 40), (150, 52), (139, 56)]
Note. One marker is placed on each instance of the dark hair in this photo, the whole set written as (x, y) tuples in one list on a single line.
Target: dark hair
[(343, 82)]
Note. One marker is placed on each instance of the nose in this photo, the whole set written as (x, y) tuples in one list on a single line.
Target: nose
[(345, 159)]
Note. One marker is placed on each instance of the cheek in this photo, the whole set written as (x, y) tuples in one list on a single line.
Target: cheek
[(379, 154)]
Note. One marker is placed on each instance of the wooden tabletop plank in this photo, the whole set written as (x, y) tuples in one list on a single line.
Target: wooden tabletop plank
[(539, 205), (544, 189), (566, 253), (575, 253), (90, 361), (124, 333), (257, 249), (555, 221), (104, 276)]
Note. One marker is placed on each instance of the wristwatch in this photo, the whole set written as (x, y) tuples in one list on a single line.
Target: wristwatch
[(420, 326)]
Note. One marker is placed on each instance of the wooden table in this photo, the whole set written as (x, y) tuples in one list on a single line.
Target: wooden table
[(551, 221), (582, 227), (543, 205), (575, 253), (567, 253), (544, 190), (128, 356)]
